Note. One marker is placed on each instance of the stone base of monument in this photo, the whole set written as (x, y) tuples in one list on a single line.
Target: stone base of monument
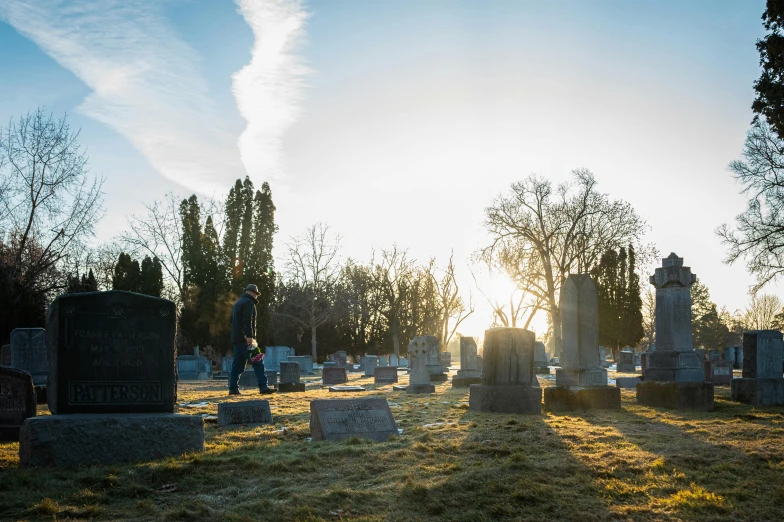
[(625, 368), (420, 388), (505, 399), (439, 377), (542, 370), (627, 382), (86, 439), (676, 395), (288, 387), (581, 378), (565, 398), (759, 392), (465, 382)]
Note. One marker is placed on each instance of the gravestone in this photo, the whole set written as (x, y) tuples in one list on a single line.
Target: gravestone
[(626, 362), (402, 362), (226, 363), (738, 358), (339, 419), (719, 372), (762, 383), (193, 368), (385, 375), (603, 357), (419, 381), (28, 353), (382, 360), (674, 374), (272, 377), (111, 374), (245, 412), (480, 364), (540, 358), (714, 355), (111, 352), (305, 363), (581, 381), (274, 355), (468, 373), (17, 401), (340, 357), (393, 360), (334, 376), (289, 378), (5, 355), (729, 354), (368, 365), (509, 384), (248, 380), (445, 358), (435, 367)]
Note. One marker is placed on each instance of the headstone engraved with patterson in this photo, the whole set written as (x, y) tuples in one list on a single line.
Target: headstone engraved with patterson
[(112, 373), (339, 419), (674, 374)]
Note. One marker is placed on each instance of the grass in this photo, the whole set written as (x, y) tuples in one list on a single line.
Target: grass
[(449, 464)]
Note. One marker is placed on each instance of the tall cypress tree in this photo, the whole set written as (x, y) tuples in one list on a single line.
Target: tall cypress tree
[(192, 262), (232, 225), (263, 269), (632, 330), (245, 246), (127, 274), (151, 277)]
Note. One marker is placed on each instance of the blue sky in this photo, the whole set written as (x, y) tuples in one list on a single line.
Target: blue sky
[(398, 121)]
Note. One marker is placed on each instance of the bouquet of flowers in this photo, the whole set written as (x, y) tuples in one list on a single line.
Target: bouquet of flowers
[(255, 353)]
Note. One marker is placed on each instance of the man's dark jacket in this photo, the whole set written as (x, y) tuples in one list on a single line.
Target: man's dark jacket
[(243, 319)]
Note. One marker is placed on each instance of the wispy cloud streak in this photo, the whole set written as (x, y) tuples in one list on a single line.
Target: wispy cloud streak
[(146, 82), (270, 88)]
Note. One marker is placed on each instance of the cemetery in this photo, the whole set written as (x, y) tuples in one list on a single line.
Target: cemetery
[(350, 261)]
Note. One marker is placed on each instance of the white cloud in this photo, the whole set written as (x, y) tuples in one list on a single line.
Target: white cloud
[(146, 82), (269, 89)]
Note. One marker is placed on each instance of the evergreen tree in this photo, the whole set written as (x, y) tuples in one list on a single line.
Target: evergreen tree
[(261, 270), (632, 328), (127, 274), (769, 101), (190, 213), (232, 227), (151, 277)]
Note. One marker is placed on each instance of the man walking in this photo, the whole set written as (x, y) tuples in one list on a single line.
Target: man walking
[(243, 331)]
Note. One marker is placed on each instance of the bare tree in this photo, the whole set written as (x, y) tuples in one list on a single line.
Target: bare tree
[(453, 308), (758, 236), (649, 316), (541, 234), (50, 204), (761, 312), (312, 265), (393, 276)]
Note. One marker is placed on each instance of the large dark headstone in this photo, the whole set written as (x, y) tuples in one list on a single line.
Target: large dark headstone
[(626, 362), (245, 412), (339, 419), (762, 383), (289, 377), (385, 375), (111, 352), (17, 401), (28, 353)]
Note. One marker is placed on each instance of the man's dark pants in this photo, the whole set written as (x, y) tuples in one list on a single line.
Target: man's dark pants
[(238, 367)]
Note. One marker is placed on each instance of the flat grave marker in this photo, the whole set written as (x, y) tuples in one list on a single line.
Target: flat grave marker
[(245, 412), (339, 419)]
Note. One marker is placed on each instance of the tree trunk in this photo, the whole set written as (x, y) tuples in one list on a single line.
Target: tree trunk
[(396, 340), (313, 342), (557, 335)]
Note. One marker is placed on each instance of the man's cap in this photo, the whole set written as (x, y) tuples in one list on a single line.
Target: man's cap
[(252, 288)]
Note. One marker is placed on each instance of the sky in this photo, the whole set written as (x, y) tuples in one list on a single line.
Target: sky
[(398, 122)]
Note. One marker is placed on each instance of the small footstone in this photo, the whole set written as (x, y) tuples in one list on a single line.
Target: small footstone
[(339, 419), (676, 395), (86, 439), (346, 388), (288, 387), (246, 412), (563, 398)]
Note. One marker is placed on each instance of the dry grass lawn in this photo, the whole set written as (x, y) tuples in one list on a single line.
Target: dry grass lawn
[(449, 464)]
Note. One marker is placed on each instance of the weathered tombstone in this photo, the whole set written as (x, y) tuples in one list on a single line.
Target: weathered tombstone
[(334, 375), (602, 358), (17, 401), (393, 360), (245, 412), (5, 355), (193, 368), (719, 372), (540, 358), (480, 364), (305, 363), (509, 384), (419, 381), (580, 382), (468, 373), (385, 375), (339, 419), (28, 353), (714, 355), (438, 372), (368, 364), (272, 377), (249, 380), (627, 382), (674, 375), (274, 355), (382, 360), (402, 362), (289, 378), (445, 359), (226, 363), (761, 383), (111, 355), (626, 362)]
